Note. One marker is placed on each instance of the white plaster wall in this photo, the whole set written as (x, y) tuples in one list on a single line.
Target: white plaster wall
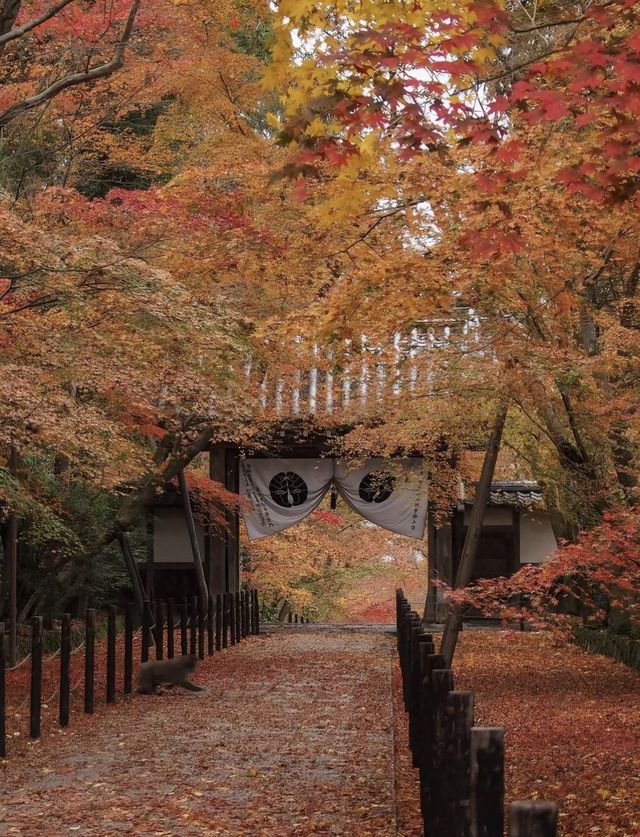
[(537, 540), (171, 537), (497, 516)]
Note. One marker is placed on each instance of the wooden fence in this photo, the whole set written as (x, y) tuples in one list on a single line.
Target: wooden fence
[(193, 626), (297, 619), (461, 766), (624, 649)]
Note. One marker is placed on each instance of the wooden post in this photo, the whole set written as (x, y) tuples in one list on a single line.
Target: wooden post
[(456, 752), (247, 612), (412, 623), (170, 630), (211, 636), (429, 703), (467, 559), (433, 760), (533, 819), (218, 622), (65, 669), (3, 696), (232, 617), (158, 632), (425, 649), (415, 683), (201, 625), (128, 648), (487, 782), (256, 613), (111, 654), (11, 545), (193, 536), (193, 627), (89, 659), (238, 617), (225, 618), (183, 627), (150, 566), (36, 677), (146, 627)]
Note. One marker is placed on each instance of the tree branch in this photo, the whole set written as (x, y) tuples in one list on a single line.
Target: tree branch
[(74, 79), (19, 31)]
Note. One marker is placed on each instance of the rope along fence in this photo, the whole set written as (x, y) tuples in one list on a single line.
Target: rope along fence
[(461, 766), (197, 626)]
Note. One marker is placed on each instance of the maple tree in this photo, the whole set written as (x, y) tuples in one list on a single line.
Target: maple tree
[(117, 354), (199, 201), (443, 160), (597, 579)]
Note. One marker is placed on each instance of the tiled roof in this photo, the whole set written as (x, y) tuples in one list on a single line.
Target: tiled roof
[(519, 494)]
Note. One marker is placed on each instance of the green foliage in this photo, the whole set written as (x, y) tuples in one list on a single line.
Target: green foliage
[(61, 519), (253, 38)]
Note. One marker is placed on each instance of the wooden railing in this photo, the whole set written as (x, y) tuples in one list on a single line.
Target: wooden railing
[(193, 626), (355, 374), (461, 766)]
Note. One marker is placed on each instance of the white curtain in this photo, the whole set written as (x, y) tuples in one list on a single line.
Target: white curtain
[(283, 491), (390, 493)]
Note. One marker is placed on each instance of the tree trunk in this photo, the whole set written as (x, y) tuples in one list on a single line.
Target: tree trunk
[(465, 570), (134, 575), (12, 570), (193, 537), (33, 603), (9, 11)]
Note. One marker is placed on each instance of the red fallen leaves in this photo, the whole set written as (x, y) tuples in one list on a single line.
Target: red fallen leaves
[(329, 517), (292, 736), (406, 778), (572, 723), (572, 730), (18, 684)]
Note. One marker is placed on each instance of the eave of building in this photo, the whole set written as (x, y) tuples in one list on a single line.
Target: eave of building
[(522, 494)]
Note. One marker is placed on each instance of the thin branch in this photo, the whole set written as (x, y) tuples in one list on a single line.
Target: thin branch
[(565, 22), (548, 25), (74, 79), (19, 31)]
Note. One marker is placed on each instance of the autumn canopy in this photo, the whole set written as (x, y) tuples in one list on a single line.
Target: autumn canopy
[(199, 200)]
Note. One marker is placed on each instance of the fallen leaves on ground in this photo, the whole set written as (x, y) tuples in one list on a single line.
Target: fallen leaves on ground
[(292, 736), (572, 726)]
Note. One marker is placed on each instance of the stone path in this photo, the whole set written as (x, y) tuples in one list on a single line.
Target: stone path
[(294, 736)]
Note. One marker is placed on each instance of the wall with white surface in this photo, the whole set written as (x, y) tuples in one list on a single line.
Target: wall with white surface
[(171, 536), (537, 540), (493, 516)]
